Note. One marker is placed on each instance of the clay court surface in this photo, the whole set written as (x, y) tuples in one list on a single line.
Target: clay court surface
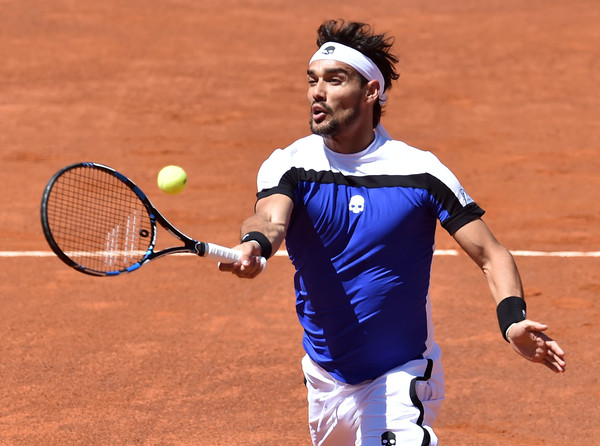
[(505, 92)]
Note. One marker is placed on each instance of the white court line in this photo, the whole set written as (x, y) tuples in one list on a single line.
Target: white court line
[(438, 252), (26, 254)]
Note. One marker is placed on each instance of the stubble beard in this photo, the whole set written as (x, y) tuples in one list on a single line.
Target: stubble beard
[(333, 126), (325, 129)]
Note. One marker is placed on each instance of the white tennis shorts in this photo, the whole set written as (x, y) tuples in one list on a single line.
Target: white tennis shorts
[(400, 405)]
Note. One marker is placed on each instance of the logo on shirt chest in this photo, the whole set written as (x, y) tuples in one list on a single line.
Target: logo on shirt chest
[(357, 204)]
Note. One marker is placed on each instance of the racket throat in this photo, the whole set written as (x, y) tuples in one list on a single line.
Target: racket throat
[(201, 248)]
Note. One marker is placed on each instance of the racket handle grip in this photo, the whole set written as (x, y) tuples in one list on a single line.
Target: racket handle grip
[(227, 255)]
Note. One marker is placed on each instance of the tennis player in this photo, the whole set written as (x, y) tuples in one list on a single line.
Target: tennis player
[(358, 212)]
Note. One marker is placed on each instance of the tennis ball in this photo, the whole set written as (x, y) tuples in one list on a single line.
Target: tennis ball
[(172, 179)]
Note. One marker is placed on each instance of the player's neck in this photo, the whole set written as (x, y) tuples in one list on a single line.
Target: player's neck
[(350, 142)]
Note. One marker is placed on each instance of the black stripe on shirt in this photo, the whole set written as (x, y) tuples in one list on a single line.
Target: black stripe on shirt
[(459, 214)]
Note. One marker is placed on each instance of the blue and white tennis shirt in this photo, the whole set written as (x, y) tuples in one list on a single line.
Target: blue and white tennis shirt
[(361, 238)]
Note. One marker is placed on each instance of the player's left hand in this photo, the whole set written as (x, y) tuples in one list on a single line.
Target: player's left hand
[(528, 340)]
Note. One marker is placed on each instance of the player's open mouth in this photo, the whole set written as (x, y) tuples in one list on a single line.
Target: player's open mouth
[(319, 113)]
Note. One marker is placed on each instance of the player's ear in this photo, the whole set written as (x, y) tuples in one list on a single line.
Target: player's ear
[(373, 91)]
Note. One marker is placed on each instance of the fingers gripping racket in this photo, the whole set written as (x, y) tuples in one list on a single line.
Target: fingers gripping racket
[(99, 222)]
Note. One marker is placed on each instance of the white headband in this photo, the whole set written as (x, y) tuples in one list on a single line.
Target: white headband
[(354, 58)]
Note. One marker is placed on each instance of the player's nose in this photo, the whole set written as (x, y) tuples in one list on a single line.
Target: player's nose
[(317, 91)]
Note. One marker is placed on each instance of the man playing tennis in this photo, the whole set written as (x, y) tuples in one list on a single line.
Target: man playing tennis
[(358, 213)]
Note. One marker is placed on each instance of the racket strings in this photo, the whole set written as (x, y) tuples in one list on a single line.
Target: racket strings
[(98, 221)]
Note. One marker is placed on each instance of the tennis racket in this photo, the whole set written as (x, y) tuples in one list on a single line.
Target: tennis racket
[(99, 222)]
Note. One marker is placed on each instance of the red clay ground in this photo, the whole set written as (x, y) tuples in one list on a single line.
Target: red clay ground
[(505, 92)]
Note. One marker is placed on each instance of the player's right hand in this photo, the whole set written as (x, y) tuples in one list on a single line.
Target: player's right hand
[(250, 264)]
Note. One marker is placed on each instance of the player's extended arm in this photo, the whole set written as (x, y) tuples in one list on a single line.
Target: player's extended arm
[(265, 228), (525, 336)]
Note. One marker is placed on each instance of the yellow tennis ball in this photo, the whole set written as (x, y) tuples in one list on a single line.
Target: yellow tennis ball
[(172, 179)]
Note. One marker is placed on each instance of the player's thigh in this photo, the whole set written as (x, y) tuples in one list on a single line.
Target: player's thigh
[(332, 420), (402, 406), (332, 414)]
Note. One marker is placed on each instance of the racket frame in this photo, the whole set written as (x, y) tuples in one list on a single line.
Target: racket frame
[(189, 244)]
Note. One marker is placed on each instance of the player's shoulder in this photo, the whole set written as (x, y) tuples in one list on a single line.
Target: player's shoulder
[(408, 158), (305, 153), (405, 149), (303, 145), (418, 161), (301, 150)]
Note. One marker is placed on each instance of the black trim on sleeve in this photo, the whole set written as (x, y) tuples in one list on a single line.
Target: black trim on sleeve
[(469, 213), (459, 215), (287, 185), (274, 190)]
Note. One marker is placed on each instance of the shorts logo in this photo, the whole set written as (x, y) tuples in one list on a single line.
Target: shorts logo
[(388, 438), (357, 204)]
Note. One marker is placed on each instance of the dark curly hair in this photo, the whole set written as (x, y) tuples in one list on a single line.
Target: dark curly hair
[(362, 37)]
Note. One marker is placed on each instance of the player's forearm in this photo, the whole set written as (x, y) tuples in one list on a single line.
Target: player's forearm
[(270, 221), (502, 274), (495, 260), (273, 231)]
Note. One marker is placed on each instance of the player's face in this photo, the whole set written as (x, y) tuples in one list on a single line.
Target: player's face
[(335, 93)]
